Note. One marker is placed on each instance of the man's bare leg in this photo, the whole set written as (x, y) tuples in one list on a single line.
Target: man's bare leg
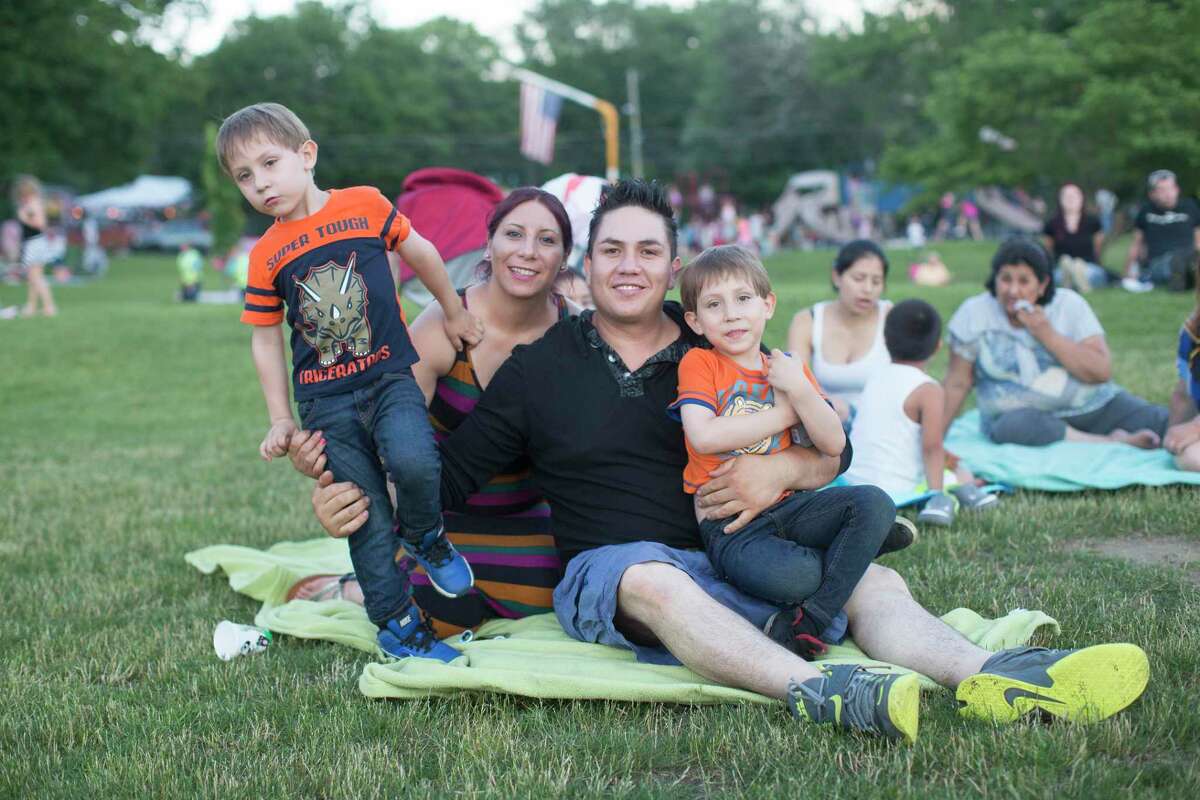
[(705, 635), (889, 625)]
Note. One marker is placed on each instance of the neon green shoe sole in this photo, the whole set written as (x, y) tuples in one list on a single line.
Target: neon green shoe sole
[(904, 705), (1085, 685)]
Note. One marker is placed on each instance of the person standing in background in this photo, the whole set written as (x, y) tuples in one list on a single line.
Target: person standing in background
[(37, 248)]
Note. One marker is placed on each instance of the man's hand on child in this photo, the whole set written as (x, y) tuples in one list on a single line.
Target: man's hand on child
[(307, 452), (276, 442), (463, 329), (787, 373), (740, 487), (341, 508)]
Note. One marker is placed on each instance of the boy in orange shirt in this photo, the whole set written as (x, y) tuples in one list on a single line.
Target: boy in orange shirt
[(327, 255), (807, 552)]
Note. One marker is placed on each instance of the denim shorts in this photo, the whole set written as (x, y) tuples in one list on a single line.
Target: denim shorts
[(585, 601)]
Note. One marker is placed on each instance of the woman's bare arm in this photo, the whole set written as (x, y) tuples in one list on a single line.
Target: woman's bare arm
[(960, 378), (800, 335)]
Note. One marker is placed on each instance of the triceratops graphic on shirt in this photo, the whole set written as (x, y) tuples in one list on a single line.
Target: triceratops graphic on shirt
[(333, 311), (745, 405)]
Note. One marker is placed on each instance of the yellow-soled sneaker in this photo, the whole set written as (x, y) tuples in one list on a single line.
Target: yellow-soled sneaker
[(1085, 685), (849, 696)]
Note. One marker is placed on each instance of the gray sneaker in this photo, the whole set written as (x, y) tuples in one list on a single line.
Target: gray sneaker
[(1084, 685), (849, 696), (973, 498), (938, 511)]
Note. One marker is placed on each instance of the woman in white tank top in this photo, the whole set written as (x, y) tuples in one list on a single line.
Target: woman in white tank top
[(842, 339)]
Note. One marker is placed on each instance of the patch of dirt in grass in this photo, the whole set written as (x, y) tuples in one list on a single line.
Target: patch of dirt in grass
[(1153, 551)]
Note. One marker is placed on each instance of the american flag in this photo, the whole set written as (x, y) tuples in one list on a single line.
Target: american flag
[(539, 121)]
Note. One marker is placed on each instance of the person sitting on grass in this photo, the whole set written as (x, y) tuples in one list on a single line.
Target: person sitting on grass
[(585, 404), (809, 550), (1166, 237), (898, 437), (326, 255), (1183, 437), (843, 338), (1038, 358)]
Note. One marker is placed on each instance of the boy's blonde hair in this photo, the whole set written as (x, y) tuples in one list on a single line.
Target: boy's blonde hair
[(24, 186), (723, 261), (271, 121)]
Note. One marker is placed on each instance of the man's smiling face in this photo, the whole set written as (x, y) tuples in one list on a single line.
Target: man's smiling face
[(630, 267)]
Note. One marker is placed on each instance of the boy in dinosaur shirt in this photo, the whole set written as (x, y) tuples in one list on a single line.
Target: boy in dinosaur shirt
[(326, 255)]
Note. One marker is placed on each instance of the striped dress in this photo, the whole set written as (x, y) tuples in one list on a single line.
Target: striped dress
[(503, 530)]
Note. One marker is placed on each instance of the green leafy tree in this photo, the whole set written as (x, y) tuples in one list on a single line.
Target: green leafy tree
[(222, 200), (590, 46), (1101, 102), (756, 114), (379, 102), (84, 95)]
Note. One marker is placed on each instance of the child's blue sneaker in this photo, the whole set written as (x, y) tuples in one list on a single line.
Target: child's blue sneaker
[(410, 636), (448, 571)]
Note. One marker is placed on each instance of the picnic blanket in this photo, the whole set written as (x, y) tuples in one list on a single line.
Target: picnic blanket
[(1063, 466), (531, 657)]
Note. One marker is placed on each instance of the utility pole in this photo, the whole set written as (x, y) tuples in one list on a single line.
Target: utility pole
[(634, 109)]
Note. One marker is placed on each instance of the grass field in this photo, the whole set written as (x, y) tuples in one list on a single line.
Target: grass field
[(128, 436)]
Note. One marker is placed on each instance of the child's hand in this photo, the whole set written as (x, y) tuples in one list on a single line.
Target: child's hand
[(463, 329), (276, 442), (787, 374)]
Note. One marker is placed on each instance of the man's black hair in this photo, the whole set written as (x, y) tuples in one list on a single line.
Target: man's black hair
[(1023, 250), (650, 195), (911, 330)]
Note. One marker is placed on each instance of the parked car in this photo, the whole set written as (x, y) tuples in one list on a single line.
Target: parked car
[(172, 235)]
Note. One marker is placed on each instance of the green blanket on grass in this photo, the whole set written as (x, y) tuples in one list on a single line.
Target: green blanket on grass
[(1063, 466), (531, 657)]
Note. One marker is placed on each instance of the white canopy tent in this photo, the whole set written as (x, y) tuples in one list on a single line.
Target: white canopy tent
[(148, 191)]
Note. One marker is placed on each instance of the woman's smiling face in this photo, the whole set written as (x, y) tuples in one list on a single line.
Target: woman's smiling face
[(526, 250)]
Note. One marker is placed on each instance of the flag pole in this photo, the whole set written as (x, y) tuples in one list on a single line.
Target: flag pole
[(607, 111)]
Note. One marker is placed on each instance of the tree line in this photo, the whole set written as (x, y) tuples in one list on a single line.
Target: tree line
[(740, 93)]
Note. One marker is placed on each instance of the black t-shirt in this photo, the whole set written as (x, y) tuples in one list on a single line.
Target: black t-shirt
[(1077, 244), (1166, 231), (605, 453)]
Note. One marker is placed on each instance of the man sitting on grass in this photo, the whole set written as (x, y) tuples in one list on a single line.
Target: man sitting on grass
[(586, 403)]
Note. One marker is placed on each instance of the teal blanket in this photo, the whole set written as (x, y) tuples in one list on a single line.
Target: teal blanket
[(531, 657), (1064, 466)]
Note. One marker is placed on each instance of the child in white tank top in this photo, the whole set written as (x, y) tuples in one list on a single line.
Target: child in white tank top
[(897, 434)]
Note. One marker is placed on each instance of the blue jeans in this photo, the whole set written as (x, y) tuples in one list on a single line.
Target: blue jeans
[(386, 422), (809, 549)]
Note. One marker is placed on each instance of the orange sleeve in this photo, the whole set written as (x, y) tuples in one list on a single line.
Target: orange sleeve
[(395, 227), (697, 381), (264, 305)]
